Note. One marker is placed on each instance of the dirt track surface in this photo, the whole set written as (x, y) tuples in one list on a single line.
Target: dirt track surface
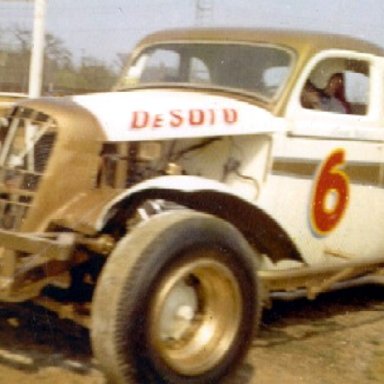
[(339, 338)]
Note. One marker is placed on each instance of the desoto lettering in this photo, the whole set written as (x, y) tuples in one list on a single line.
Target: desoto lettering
[(177, 118)]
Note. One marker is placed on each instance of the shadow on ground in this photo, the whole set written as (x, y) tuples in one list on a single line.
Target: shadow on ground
[(32, 337)]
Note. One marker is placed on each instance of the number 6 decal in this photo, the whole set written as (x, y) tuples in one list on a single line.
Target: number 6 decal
[(330, 194)]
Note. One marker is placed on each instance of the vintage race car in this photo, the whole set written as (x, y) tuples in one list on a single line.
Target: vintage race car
[(227, 168)]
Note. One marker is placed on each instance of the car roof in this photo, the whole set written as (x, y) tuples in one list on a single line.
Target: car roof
[(299, 40)]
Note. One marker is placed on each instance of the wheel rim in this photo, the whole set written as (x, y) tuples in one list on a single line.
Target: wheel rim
[(195, 315)]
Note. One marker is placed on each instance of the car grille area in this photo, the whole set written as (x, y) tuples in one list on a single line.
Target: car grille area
[(27, 140)]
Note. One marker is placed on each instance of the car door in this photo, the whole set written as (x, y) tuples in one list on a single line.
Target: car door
[(331, 163)]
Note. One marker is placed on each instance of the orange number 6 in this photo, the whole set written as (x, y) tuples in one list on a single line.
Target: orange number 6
[(330, 194)]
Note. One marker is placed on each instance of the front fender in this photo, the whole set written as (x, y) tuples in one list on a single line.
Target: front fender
[(88, 212), (96, 209), (213, 197), (164, 187)]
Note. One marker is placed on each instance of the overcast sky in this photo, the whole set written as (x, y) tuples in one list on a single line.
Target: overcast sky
[(103, 28)]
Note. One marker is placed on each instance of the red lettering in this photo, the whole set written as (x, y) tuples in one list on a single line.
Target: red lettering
[(157, 121), (196, 117), (230, 115), (212, 116), (176, 118), (139, 119)]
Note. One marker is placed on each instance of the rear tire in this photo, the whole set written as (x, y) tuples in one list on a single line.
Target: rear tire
[(177, 302)]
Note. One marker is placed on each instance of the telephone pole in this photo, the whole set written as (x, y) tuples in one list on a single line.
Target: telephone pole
[(37, 53), (204, 12)]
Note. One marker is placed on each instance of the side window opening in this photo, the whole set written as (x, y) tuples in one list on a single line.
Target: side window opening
[(273, 77), (163, 64), (166, 66), (199, 72), (338, 85)]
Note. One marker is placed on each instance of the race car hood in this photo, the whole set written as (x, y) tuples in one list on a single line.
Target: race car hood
[(163, 114)]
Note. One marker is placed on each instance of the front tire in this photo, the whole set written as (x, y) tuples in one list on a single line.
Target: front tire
[(177, 302)]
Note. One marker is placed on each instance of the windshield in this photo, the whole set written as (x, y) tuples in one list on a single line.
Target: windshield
[(259, 69)]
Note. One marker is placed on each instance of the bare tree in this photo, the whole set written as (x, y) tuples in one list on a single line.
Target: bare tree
[(61, 75)]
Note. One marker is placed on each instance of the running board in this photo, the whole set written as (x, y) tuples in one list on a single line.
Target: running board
[(314, 280)]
